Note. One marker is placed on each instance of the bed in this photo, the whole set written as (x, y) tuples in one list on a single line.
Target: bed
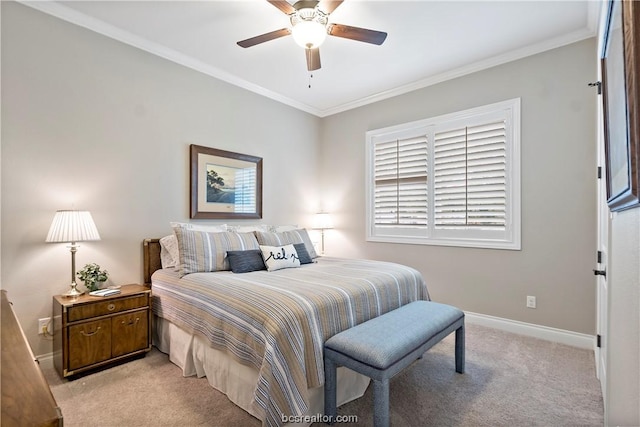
[(258, 336)]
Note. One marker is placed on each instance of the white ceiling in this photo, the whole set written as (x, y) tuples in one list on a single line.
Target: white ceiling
[(428, 41)]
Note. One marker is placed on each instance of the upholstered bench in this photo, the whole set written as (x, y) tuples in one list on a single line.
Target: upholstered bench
[(383, 346)]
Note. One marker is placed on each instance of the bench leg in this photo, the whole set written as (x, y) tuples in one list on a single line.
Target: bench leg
[(330, 405), (460, 349), (381, 403)]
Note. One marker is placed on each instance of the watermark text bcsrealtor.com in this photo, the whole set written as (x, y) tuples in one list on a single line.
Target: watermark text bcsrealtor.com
[(318, 418)]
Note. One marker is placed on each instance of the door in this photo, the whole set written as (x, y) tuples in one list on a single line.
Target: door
[(602, 294)]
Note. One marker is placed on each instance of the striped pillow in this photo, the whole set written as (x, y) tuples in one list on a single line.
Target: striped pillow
[(202, 251), (287, 237)]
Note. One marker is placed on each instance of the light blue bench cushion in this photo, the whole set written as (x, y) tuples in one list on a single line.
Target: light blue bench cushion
[(377, 343)]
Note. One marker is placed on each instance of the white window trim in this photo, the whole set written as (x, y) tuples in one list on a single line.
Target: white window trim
[(511, 239)]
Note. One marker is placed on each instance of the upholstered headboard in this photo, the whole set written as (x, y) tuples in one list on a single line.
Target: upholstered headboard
[(151, 252)]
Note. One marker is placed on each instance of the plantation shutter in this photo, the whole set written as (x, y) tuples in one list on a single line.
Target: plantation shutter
[(400, 182), (450, 180), (470, 177)]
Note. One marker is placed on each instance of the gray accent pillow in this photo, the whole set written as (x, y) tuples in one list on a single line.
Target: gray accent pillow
[(303, 254), (246, 261)]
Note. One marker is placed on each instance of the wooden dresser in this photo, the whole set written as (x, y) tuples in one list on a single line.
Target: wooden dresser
[(26, 396)]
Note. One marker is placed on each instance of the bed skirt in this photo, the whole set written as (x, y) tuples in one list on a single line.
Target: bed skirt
[(194, 356)]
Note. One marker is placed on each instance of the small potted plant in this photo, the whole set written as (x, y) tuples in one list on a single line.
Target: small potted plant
[(92, 276)]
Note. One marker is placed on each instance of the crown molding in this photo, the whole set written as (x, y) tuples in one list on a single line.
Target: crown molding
[(468, 69), (70, 15)]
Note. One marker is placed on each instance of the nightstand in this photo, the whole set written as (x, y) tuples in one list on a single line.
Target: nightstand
[(94, 331)]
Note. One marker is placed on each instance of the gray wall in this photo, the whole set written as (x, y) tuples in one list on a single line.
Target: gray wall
[(94, 123), (558, 191), (99, 125), (91, 123)]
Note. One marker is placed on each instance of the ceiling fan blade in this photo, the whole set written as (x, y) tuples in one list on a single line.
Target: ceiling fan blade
[(264, 37), (356, 33), (313, 59), (328, 6), (283, 5)]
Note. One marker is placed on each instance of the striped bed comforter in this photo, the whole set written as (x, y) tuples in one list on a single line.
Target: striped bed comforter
[(278, 321)]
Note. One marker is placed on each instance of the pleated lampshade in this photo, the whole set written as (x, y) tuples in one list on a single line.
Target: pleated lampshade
[(72, 226)]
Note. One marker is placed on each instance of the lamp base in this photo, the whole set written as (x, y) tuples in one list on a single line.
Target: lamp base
[(73, 292)]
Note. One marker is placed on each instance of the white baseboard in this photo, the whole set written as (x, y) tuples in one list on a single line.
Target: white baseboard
[(45, 360), (561, 336)]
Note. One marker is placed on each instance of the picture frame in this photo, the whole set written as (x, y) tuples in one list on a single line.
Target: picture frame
[(224, 184), (620, 78)]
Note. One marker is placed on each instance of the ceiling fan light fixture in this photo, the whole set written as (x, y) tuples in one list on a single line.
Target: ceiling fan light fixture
[(309, 27), (309, 34)]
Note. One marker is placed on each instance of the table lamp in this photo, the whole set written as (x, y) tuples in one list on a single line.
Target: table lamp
[(322, 221), (71, 227)]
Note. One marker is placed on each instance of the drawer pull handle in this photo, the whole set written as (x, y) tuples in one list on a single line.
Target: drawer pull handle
[(131, 321), (90, 333), (111, 307)]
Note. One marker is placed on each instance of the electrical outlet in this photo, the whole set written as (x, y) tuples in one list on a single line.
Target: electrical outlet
[(43, 325), (531, 301)]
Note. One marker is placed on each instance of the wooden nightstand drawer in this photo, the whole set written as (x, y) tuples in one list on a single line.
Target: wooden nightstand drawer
[(108, 306), (131, 330), (91, 342)]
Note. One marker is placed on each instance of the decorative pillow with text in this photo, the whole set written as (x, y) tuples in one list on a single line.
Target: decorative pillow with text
[(279, 257)]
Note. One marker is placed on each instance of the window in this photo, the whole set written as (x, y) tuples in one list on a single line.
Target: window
[(451, 180)]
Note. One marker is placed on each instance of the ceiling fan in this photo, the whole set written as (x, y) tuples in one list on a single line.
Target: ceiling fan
[(310, 26)]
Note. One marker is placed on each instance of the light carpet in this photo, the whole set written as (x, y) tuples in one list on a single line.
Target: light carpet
[(510, 380)]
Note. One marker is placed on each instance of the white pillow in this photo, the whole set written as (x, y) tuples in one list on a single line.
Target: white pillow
[(169, 255), (279, 257), (280, 228), (259, 227), (215, 228), (247, 228)]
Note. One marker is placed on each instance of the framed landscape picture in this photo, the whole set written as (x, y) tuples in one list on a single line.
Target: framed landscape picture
[(225, 185), (620, 79)]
